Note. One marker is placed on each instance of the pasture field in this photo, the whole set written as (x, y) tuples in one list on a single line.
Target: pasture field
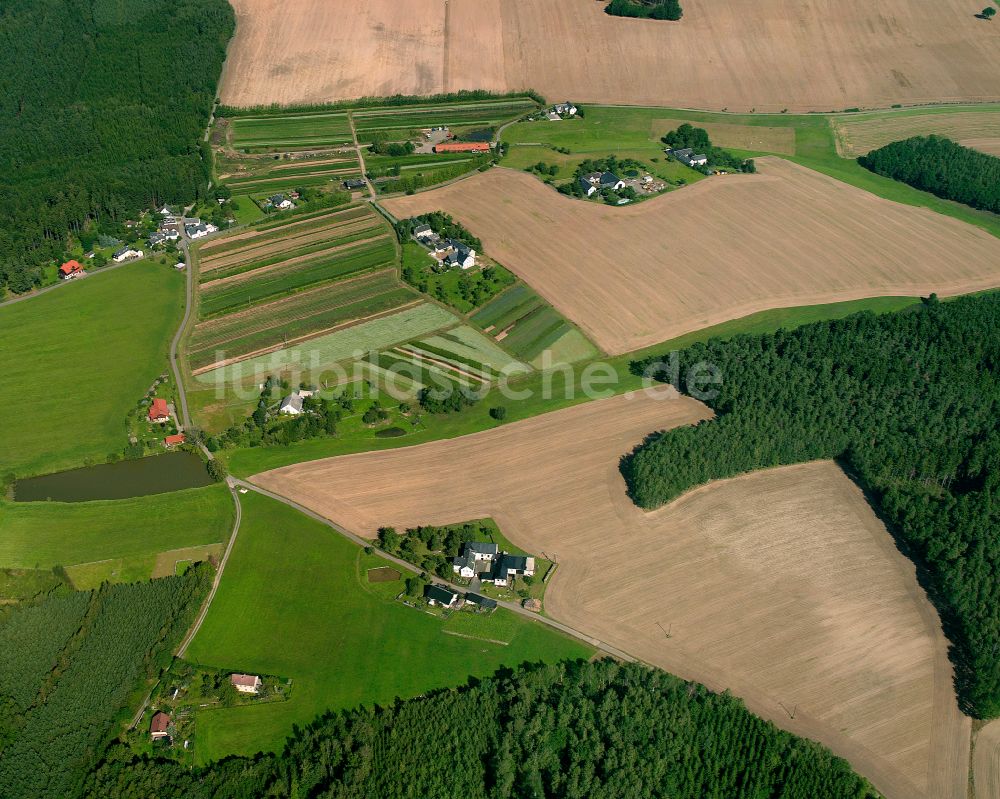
[(748, 56), (543, 392), (858, 134), (341, 345), (40, 535), (306, 313), (95, 346), (354, 643), (469, 346), (834, 639), (803, 239)]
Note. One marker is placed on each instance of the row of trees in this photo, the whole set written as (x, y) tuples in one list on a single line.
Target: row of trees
[(942, 167), (645, 9), (911, 404), (101, 114), (573, 730), (442, 224), (79, 684)]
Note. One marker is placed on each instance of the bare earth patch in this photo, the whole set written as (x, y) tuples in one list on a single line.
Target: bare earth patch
[(986, 769), (990, 146), (740, 55), (166, 562), (723, 248), (383, 574), (782, 585)]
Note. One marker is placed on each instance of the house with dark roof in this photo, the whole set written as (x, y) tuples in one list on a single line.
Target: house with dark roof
[(688, 156), (291, 405), (423, 232), (507, 567), (609, 180), (439, 595), (461, 255), (588, 188), (476, 557), (354, 184), (482, 601)]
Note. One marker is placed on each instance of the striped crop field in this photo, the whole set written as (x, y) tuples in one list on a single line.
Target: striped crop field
[(250, 288), (291, 175), (531, 329), (400, 122), (468, 347), (342, 345), (300, 315), (291, 131)]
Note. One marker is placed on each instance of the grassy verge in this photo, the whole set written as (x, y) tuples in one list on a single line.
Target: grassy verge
[(354, 643)]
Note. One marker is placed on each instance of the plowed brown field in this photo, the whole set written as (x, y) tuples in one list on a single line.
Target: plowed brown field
[(987, 762), (738, 55), (782, 585), (723, 248)]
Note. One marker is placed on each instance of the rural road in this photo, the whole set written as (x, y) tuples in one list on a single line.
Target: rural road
[(182, 649), (361, 158), (409, 567), (175, 342)]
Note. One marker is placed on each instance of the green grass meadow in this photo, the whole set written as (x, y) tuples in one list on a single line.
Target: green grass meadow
[(76, 360), (46, 534), (295, 602)]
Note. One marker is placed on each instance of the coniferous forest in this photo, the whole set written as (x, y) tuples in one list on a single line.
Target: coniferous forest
[(942, 167), (102, 108), (910, 403), (604, 729)]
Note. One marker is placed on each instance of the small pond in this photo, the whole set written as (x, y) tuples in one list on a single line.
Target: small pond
[(159, 474)]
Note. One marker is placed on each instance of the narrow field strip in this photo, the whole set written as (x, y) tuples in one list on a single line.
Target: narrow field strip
[(431, 360)]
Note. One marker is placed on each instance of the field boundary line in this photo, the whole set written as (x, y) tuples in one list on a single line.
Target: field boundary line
[(476, 638)]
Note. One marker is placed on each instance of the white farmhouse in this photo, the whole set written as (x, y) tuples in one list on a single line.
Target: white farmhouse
[(126, 254)]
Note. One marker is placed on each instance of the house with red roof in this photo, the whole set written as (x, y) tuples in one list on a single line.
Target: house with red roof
[(463, 147), (159, 412), (174, 440), (159, 726), (70, 270)]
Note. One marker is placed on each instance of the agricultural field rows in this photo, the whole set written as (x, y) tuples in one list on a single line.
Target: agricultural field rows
[(302, 314), (858, 134), (253, 288), (403, 122), (291, 131), (339, 346)]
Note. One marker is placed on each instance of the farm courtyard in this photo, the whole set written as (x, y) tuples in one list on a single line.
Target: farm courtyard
[(781, 586), (726, 247)]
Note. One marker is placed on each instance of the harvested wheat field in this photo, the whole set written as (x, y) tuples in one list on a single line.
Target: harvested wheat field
[(986, 768), (741, 55), (723, 248), (857, 135), (990, 146), (782, 585)]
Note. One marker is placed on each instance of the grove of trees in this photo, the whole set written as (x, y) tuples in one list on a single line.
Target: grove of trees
[(910, 404), (573, 730), (688, 136), (102, 107), (645, 9), (70, 665), (942, 167)]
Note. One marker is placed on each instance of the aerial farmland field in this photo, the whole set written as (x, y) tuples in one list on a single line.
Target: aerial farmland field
[(354, 643), (729, 246), (119, 535), (96, 346), (798, 551), (746, 56), (291, 131), (857, 134)]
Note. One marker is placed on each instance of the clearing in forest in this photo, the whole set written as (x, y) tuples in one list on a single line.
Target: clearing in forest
[(741, 56), (782, 586), (727, 247)]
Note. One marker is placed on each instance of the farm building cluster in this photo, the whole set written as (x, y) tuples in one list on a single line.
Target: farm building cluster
[(485, 561), (447, 252)]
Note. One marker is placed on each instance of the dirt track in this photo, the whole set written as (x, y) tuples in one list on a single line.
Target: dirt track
[(782, 586), (723, 248), (738, 55)]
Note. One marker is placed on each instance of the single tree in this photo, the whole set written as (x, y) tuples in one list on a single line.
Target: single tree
[(989, 12)]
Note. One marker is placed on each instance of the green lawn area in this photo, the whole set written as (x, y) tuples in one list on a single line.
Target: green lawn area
[(47, 534), (76, 360), (248, 211), (295, 602), (635, 132), (546, 391)]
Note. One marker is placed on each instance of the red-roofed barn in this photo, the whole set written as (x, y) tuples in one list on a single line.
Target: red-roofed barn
[(158, 411), (174, 440)]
